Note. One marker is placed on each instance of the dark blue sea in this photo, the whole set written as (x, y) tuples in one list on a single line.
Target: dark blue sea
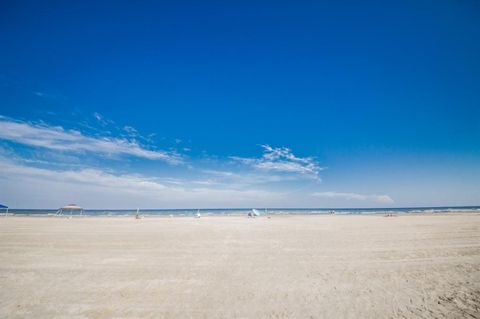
[(244, 211)]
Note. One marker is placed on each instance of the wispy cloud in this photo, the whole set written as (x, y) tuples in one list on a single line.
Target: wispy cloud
[(101, 119), (57, 138), (130, 130), (49, 96), (103, 189), (245, 179), (282, 160), (382, 199), (66, 162), (84, 176), (41, 94)]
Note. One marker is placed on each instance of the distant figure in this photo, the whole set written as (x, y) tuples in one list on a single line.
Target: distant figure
[(137, 216), (197, 215)]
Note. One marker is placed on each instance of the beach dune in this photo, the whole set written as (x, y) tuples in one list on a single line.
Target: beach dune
[(411, 266)]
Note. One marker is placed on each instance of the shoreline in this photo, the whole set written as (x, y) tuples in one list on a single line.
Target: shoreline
[(226, 215)]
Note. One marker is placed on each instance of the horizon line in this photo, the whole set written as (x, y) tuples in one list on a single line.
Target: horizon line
[(267, 208)]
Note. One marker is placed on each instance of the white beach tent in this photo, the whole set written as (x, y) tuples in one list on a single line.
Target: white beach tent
[(70, 208), (4, 207), (254, 213)]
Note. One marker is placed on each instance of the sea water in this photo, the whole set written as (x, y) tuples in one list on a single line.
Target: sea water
[(244, 211)]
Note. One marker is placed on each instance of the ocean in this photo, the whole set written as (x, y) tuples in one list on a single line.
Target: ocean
[(245, 211)]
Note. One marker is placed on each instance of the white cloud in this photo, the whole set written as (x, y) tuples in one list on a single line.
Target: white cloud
[(130, 130), (84, 176), (282, 160), (57, 138), (43, 181), (246, 179), (381, 199), (27, 186), (101, 119), (48, 96)]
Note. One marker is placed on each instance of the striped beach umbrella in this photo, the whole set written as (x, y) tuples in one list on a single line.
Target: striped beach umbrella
[(70, 208)]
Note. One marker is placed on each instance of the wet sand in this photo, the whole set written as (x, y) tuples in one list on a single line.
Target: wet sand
[(411, 266)]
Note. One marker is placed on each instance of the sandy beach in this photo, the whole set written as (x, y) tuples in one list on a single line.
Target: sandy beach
[(410, 266)]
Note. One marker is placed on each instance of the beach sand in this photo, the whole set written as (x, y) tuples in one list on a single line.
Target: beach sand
[(410, 266)]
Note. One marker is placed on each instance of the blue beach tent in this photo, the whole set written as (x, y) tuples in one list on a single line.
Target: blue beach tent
[(4, 207)]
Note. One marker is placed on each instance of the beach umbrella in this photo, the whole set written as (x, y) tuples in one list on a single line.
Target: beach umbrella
[(71, 208)]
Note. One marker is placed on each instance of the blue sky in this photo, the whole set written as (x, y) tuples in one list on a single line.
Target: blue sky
[(248, 104)]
